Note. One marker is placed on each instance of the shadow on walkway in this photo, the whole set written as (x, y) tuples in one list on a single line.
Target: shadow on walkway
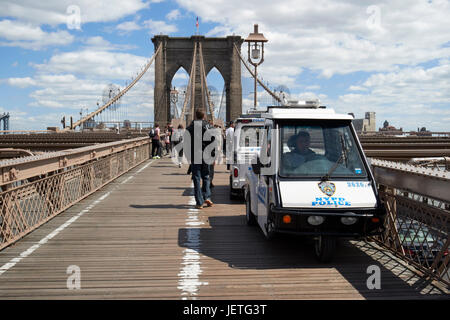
[(230, 240)]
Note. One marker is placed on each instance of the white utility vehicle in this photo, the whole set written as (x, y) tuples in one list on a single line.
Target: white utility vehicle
[(246, 145), (311, 178)]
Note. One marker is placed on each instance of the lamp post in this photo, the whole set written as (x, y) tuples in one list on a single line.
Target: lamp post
[(256, 42), (174, 100)]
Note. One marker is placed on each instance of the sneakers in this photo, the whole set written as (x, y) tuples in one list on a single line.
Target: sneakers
[(179, 165), (209, 203)]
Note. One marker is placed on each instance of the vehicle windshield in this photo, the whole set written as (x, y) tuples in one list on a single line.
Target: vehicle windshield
[(321, 149), (250, 136), (416, 236)]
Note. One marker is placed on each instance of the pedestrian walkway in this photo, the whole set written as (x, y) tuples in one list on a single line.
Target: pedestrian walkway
[(141, 237)]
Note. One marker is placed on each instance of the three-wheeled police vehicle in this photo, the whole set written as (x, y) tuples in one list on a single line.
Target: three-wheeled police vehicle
[(311, 178), (246, 145)]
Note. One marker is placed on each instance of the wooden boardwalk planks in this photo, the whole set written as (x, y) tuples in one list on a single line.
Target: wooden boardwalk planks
[(145, 241)]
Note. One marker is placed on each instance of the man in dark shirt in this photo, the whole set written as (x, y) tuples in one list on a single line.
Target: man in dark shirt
[(199, 168)]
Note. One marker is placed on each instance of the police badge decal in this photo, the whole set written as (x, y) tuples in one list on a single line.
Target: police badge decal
[(327, 187)]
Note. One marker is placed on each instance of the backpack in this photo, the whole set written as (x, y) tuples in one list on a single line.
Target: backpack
[(152, 133)]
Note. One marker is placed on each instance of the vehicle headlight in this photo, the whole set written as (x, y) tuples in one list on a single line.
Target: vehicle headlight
[(315, 220), (348, 220)]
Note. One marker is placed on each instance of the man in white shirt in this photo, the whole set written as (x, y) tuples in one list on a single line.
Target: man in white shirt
[(229, 133)]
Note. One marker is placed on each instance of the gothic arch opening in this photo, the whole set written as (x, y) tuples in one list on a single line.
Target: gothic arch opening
[(178, 86), (216, 86), (218, 52)]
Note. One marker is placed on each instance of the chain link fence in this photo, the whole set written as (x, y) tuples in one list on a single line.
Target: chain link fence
[(27, 204)]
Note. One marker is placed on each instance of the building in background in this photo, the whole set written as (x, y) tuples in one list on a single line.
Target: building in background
[(387, 129), (365, 125), (421, 132)]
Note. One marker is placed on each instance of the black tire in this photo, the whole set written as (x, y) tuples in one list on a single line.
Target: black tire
[(324, 248), (270, 233), (233, 196), (249, 216)]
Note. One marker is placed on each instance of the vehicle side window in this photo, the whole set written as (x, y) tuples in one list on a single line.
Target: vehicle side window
[(266, 145)]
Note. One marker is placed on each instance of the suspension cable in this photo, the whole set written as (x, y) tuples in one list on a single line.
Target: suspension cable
[(204, 82), (219, 114), (187, 96), (118, 96)]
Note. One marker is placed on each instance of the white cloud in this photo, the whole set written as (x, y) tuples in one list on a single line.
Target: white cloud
[(77, 80), (173, 15), (330, 38), (128, 26), (357, 88), (21, 82), (54, 12), (333, 37), (411, 97), (94, 64), (157, 27), (27, 36), (98, 43)]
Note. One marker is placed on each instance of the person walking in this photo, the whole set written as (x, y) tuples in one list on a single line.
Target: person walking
[(199, 168), (167, 141), (156, 143), (171, 132)]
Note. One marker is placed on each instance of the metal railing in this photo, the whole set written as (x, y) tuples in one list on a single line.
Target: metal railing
[(36, 189), (418, 219)]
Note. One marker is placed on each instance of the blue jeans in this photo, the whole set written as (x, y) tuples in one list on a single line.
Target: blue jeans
[(201, 171)]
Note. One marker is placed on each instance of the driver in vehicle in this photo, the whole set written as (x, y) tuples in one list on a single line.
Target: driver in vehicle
[(299, 150)]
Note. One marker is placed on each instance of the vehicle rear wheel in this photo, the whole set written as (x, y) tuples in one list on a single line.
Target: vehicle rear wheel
[(250, 217), (233, 195), (324, 248)]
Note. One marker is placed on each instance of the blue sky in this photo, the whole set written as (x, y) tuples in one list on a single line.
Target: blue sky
[(391, 57)]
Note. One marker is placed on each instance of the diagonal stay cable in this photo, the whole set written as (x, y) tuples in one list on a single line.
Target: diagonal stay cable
[(204, 82), (187, 96), (118, 96)]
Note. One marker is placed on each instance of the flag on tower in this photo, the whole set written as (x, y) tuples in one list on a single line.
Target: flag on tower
[(196, 24)]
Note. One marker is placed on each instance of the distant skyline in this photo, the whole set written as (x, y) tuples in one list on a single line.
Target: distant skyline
[(389, 57)]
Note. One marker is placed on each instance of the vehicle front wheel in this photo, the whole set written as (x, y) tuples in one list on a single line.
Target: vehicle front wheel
[(270, 231), (324, 248), (250, 217)]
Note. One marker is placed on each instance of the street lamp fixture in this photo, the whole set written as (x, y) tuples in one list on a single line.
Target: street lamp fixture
[(174, 95), (174, 100), (256, 42)]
